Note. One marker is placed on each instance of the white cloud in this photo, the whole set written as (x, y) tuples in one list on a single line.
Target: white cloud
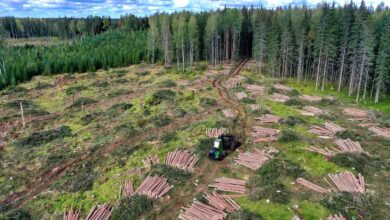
[(181, 3)]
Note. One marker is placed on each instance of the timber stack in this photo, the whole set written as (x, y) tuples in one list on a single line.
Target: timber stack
[(255, 89), (349, 146), (311, 186), (229, 113), (276, 97), (72, 214), (154, 187), (127, 189), (100, 212), (229, 185), (347, 182), (282, 88), (326, 152), (311, 111), (181, 159), (384, 132), (241, 95), (356, 114), (310, 98), (337, 217), (222, 203), (201, 211), (268, 119), (253, 160), (215, 132)]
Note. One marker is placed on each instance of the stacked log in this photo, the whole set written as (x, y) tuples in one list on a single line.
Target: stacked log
[(310, 98), (347, 182), (349, 146), (311, 186), (72, 214), (229, 113), (255, 89), (276, 97), (264, 139), (181, 159), (100, 212), (255, 107), (320, 131), (222, 203), (311, 111), (151, 160), (241, 95), (355, 112), (384, 132), (215, 132), (326, 152), (201, 211), (127, 189), (366, 125), (154, 187), (337, 217), (253, 160), (233, 82), (282, 87), (268, 119), (333, 127), (229, 185), (264, 132)]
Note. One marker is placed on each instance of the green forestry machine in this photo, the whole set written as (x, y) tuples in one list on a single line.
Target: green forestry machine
[(222, 145)]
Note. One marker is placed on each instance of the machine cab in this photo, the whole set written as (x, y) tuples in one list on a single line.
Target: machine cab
[(217, 143)]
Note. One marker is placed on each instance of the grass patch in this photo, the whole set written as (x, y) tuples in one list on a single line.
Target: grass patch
[(132, 208), (159, 96)]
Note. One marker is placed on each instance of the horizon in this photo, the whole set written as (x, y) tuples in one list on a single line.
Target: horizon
[(117, 8)]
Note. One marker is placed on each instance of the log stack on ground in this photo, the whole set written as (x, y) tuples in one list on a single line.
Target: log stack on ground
[(241, 95), (253, 160), (151, 160), (229, 185), (221, 203), (100, 212), (347, 182), (234, 82), (349, 146), (355, 112), (326, 152), (368, 124), (262, 134), (255, 107), (268, 119), (384, 132), (215, 132), (277, 97), (229, 113), (127, 189), (333, 127), (310, 98), (329, 130), (181, 159), (72, 214), (255, 89), (282, 88), (154, 187), (312, 186), (311, 111), (201, 211), (336, 217)]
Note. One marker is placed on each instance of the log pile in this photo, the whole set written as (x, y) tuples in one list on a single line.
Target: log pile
[(201, 211), (347, 182), (310, 98), (255, 89), (264, 139), (311, 111), (151, 160), (215, 132), (154, 187), (262, 134), (384, 132), (253, 160), (333, 127), (326, 152), (181, 159), (222, 203), (255, 107), (234, 82), (229, 185), (268, 119), (241, 95), (311, 186), (355, 112), (366, 125), (127, 189), (276, 97), (72, 214), (100, 212), (282, 87), (229, 113), (349, 146), (320, 131), (336, 217)]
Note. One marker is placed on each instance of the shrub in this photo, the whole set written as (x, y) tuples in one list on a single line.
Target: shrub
[(167, 83), (75, 89), (101, 84), (82, 101), (121, 106), (276, 192), (349, 134), (119, 92), (327, 101), (160, 120), (244, 215), (79, 179), (130, 208), (174, 175), (202, 66), (161, 95), (206, 102), (88, 118), (42, 85), (203, 146), (359, 161), (288, 135), (121, 81), (168, 137), (19, 214), (291, 121), (271, 90), (294, 93), (126, 129), (42, 137), (248, 101), (143, 73), (293, 102)]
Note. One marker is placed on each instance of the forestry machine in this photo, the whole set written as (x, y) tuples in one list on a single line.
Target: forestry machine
[(222, 144)]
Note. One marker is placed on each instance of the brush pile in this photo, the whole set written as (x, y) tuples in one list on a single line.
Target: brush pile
[(384, 132), (72, 214), (311, 111), (151, 160), (201, 211), (215, 132), (221, 203), (154, 187), (347, 182), (310, 98), (255, 107), (311, 186), (181, 159), (276, 97), (349, 146), (282, 87), (100, 212), (268, 119), (255, 89), (253, 160), (241, 95), (229, 185), (336, 217), (229, 113), (127, 189)]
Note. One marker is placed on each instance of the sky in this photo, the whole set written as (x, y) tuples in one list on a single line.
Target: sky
[(115, 8)]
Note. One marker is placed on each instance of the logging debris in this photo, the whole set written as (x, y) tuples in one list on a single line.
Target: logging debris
[(336, 217), (181, 159), (255, 89), (229, 113), (241, 95), (255, 107), (127, 189)]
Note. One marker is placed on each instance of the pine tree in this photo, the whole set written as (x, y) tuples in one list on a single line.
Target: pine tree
[(193, 36), (383, 61)]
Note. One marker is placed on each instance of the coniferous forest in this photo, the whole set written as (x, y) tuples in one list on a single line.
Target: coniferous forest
[(347, 46)]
